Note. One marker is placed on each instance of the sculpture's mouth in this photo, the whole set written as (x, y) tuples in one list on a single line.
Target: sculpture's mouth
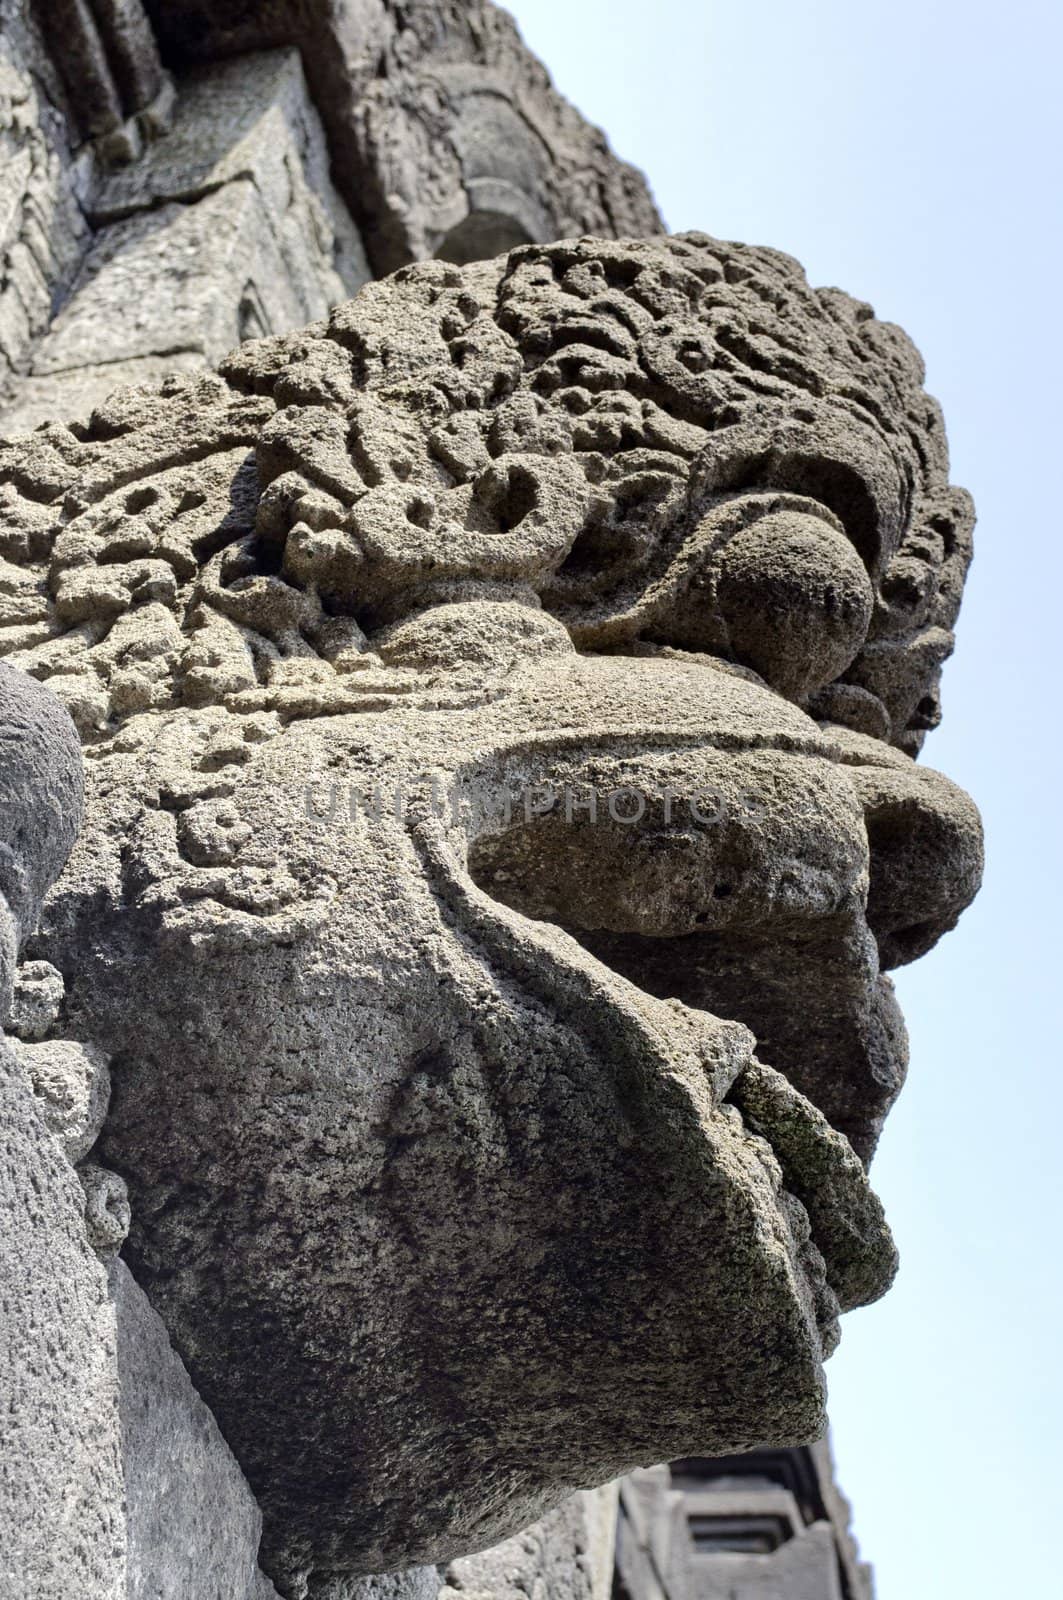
[(683, 858), (842, 1243), (726, 889)]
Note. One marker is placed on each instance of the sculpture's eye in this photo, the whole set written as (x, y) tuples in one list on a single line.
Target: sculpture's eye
[(786, 596), (796, 600)]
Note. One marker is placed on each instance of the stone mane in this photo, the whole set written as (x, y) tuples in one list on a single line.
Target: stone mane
[(587, 424)]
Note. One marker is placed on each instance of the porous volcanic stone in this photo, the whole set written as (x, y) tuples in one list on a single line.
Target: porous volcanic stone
[(485, 924)]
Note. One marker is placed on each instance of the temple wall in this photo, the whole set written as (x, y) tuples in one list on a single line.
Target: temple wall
[(115, 1481), (43, 232), (225, 227)]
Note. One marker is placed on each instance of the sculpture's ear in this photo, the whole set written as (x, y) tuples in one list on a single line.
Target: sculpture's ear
[(41, 804)]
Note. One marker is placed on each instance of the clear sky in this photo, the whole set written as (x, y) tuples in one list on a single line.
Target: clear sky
[(910, 152)]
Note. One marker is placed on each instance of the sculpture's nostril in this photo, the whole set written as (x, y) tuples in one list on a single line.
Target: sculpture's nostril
[(927, 714)]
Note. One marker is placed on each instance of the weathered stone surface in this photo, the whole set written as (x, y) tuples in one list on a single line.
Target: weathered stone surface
[(192, 1525), (35, 1004), (567, 1556), (115, 1483), (653, 1539), (250, 120), (106, 54), (447, 135), (60, 1470), (80, 390), (174, 280), (41, 801), (413, 1583), (61, 1525), (43, 233), (228, 227), (114, 1479), (72, 1085), (442, 921), (765, 1525)]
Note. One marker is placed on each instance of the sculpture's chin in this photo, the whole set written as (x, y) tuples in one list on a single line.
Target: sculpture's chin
[(853, 1249)]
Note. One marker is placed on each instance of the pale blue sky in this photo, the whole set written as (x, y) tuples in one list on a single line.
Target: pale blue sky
[(910, 152)]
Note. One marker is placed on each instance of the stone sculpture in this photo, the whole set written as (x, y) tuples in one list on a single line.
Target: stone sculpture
[(499, 704)]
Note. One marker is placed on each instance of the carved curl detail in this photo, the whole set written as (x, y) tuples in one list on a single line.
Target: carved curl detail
[(650, 439)]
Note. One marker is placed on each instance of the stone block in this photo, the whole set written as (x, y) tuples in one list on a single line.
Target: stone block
[(115, 1481), (192, 1524), (251, 118), (226, 228), (180, 279), (62, 1528)]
